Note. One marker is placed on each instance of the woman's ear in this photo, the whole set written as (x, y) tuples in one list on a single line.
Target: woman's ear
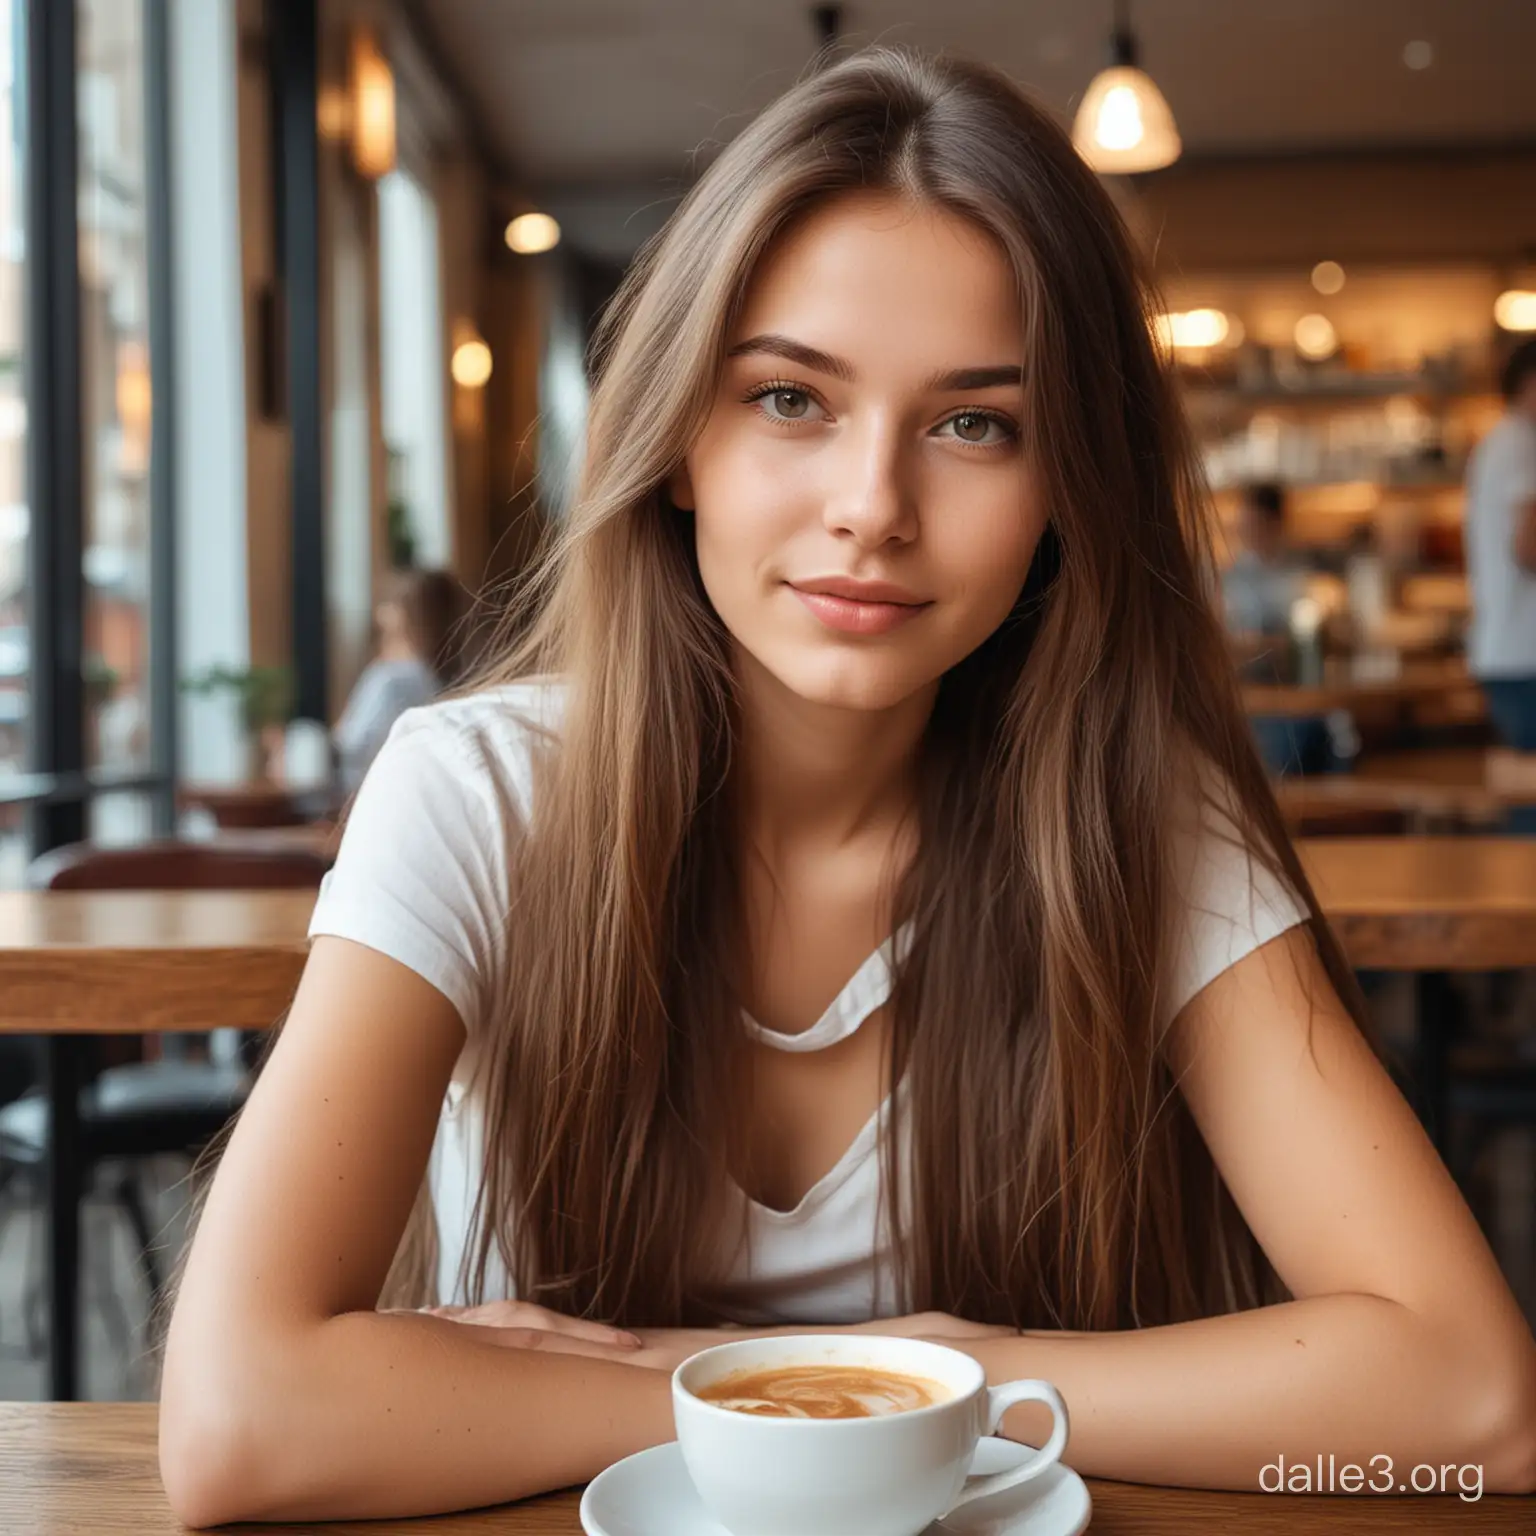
[(680, 488)]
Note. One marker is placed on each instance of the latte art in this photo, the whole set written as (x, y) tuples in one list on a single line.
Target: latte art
[(823, 1392)]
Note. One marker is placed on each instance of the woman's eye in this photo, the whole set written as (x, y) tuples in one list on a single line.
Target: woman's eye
[(783, 404), (971, 428)]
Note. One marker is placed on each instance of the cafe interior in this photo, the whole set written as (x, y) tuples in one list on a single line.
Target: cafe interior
[(295, 300)]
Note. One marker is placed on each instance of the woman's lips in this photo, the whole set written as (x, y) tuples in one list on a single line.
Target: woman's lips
[(855, 617)]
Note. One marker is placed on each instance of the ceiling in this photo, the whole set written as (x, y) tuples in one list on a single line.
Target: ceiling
[(600, 107)]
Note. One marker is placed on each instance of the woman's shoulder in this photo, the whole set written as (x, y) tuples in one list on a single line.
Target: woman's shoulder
[(1228, 899), (490, 734)]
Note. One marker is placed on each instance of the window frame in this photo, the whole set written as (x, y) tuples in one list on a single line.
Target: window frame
[(56, 787)]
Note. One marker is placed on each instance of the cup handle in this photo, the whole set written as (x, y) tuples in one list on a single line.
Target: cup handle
[(1000, 1399)]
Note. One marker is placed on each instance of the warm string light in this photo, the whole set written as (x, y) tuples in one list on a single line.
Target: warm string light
[(530, 233)]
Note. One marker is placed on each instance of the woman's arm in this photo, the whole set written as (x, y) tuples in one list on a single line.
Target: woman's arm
[(1403, 1340), (285, 1394)]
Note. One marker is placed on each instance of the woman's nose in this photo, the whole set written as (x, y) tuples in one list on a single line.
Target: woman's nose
[(870, 498)]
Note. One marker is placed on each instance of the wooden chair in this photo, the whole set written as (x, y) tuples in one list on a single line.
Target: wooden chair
[(134, 1110)]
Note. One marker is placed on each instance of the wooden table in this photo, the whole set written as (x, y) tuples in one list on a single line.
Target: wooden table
[(1416, 681), (106, 961), (1460, 786), (133, 962), (91, 1468), (140, 961), (1428, 903)]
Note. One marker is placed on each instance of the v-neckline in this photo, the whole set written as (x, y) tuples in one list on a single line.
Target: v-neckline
[(865, 992)]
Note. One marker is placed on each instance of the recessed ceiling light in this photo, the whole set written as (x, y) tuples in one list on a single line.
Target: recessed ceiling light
[(1328, 277), (1418, 54)]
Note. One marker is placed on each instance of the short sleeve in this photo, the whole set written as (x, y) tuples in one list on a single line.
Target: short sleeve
[(421, 872), (1227, 902)]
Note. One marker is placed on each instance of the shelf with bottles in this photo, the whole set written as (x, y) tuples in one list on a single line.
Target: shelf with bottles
[(1401, 442)]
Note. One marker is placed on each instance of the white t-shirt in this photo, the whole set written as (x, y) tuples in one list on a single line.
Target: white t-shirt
[(1501, 479), (422, 877)]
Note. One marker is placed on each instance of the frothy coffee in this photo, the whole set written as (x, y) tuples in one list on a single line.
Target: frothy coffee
[(823, 1392)]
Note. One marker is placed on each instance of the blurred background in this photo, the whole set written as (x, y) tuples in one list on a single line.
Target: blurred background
[(294, 298)]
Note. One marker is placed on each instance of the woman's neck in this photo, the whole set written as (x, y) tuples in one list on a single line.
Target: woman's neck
[(821, 773), (396, 648)]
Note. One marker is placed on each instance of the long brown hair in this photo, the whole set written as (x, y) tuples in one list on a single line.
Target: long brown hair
[(1056, 1178)]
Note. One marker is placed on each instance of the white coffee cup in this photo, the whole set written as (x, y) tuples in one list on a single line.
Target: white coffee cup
[(889, 1475)]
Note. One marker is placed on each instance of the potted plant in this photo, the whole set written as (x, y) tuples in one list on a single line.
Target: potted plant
[(100, 682), (264, 696)]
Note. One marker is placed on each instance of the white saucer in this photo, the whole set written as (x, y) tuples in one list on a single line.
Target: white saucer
[(651, 1494)]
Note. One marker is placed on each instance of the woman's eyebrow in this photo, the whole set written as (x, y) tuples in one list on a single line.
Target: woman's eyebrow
[(946, 381)]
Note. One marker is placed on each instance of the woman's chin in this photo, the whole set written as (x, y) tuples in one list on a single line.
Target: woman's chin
[(868, 683)]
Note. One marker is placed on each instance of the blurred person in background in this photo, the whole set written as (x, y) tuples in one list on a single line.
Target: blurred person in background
[(418, 621), (1258, 589), (1501, 556), (1266, 576)]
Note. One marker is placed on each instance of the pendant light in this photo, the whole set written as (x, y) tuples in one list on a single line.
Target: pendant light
[(1124, 124)]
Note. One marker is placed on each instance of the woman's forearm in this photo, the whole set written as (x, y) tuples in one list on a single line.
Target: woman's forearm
[(389, 1414), (1208, 1404)]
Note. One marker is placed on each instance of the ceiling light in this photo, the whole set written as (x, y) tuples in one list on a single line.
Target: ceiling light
[(1328, 277), (1123, 124), (1418, 54), (1515, 310), (530, 233), (1316, 337)]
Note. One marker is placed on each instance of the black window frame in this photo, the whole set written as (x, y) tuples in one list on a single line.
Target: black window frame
[(57, 787)]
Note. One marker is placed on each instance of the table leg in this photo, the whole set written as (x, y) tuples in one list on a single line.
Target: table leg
[(1437, 1008), (64, 1177)]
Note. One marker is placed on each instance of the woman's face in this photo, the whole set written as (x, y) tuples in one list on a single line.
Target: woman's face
[(866, 430)]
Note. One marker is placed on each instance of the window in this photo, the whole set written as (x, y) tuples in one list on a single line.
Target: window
[(411, 371)]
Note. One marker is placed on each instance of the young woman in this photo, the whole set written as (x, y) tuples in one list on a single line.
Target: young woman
[(417, 619), (855, 902)]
